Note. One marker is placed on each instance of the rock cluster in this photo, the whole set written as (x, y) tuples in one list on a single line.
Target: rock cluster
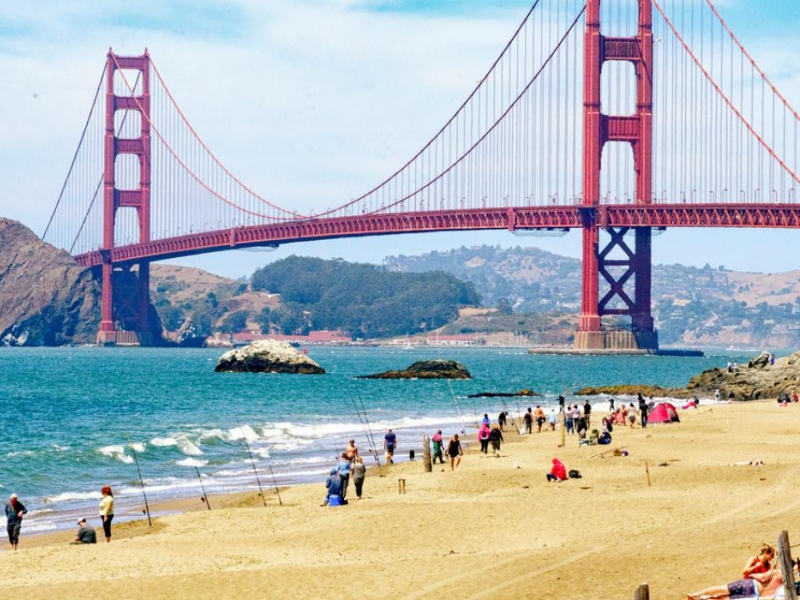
[(427, 369), (761, 378), (525, 392), (268, 356)]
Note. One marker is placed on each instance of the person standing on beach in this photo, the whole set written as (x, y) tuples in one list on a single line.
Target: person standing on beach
[(344, 476), (389, 444), (587, 413), (561, 403), (359, 473), (351, 451), (454, 451), (483, 437), (438, 444), (486, 421), (611, 405), (496, 437), (501, 418), (14, 511), (107, 510), (643, 411)]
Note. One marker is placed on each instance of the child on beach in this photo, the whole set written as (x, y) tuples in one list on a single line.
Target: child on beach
[(558, 472)]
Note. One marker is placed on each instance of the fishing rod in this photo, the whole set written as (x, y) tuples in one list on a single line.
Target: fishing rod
[(141, 480), (202, 487), (255, 471), (458, 408), (369, 433), (274, 482)]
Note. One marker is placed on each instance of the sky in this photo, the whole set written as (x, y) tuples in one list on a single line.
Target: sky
[(285, 92)]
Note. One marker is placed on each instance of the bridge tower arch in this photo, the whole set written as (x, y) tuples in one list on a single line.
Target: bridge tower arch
[(125, 302), (637, 130)]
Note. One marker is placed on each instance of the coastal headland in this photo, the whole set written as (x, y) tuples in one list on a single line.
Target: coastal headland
[(494, 528)]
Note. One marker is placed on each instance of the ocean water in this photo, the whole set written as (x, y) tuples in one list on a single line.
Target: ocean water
[(75, 419)]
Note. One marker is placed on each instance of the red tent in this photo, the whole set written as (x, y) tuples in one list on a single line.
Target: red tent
[(663, 413)]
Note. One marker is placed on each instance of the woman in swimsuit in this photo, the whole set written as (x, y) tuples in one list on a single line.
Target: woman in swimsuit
[(454, 451)]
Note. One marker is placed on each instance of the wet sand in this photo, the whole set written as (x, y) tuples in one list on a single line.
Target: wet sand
[(487, 530)]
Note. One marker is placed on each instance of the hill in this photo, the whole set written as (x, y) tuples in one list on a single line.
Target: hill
[(46, 298), (692, 306)]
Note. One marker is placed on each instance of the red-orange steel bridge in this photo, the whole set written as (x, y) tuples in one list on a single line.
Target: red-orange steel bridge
[(621, 116)]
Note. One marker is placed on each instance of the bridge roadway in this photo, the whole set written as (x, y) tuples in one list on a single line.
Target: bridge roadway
[(785, 216)]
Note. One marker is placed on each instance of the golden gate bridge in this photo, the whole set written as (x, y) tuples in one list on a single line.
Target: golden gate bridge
[(621, 117)]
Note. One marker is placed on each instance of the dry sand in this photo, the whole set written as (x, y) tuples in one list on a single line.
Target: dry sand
[(487, 530)]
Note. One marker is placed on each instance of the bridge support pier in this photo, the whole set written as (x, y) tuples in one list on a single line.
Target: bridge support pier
[(617, 262), (126, 316)]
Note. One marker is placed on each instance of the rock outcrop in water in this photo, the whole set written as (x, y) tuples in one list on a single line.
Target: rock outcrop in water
[(759, 379), (46, 298), (427, 369), (268, 356)]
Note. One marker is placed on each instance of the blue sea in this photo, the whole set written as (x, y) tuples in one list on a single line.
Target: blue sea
[(76, 419)]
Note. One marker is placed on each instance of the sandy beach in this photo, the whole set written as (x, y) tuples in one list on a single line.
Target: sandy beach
[(487, 530)]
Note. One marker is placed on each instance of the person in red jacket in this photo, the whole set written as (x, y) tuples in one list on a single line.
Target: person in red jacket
[(558, 472)]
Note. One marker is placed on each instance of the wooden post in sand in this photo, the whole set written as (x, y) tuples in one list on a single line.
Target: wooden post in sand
[(647, 470), (785, 561), (563, 427), (642, 593), (426, 454)]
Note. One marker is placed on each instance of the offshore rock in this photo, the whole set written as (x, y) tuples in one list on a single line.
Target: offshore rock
[(46, 298), (759, 379), (426, 369), (267, 356)]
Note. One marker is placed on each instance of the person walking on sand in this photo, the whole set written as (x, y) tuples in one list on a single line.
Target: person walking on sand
[(496, 437), (454, 451), (587, 413), (551, 419), (86, 533), (107, 511), (483, 437), (528, 420), (438, 446), (389, 444), (359, 473), (539, 416), (14, 511), (486, 421), (501, 418), (561, 403), (631, 415)]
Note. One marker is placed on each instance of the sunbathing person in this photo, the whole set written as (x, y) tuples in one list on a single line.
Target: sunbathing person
[(757, 585), (760, 563)]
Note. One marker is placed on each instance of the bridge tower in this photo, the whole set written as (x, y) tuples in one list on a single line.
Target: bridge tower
[(125, 306), (637, 130)]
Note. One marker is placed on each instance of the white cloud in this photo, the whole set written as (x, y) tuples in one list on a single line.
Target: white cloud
[(310, 103)]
